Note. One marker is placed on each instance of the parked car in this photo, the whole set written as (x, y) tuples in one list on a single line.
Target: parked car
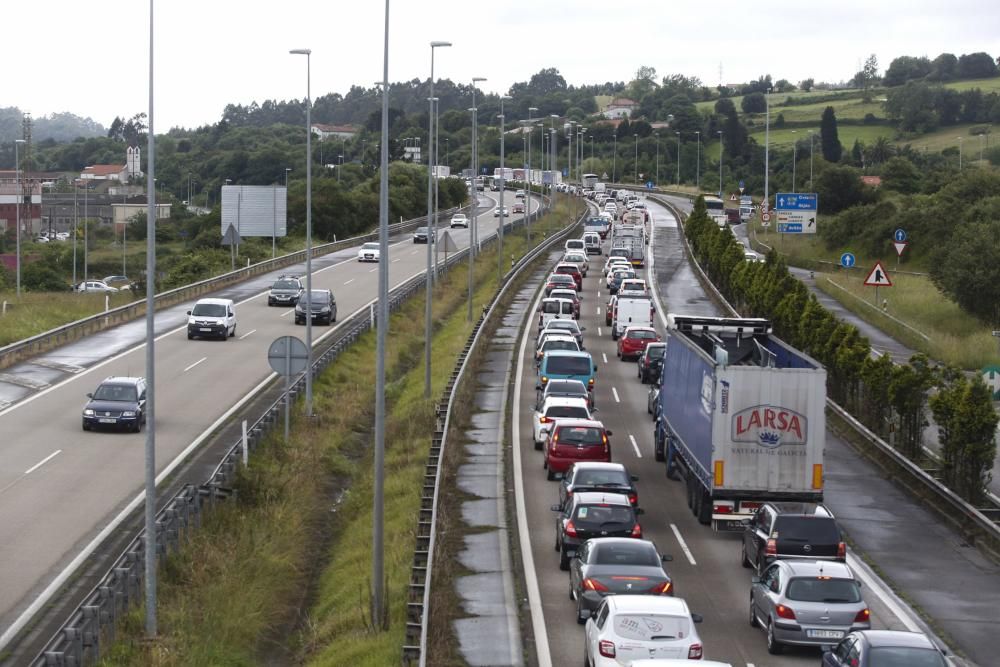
[(588, 515), (553, 409), (118, 282), (459, 220), (422, 235), (369, 252), (807, 603), (650, 362), (94, 286), (634, 340), (615, 566), (214, 318), (629, 627), (885, 648), (574, 440), (781, 530), (321, 306), (285, 291), (597, 476), (118, 402)]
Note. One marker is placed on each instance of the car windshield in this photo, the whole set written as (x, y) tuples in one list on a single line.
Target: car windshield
[(652, 627), (421, 230), (627, 553), (816, 589), (580, 435), (568, 411), (209, 310), (814, 530), (370, 246), (601, 478), (286, 284), (644, 335), (115, 392), (568, 366)]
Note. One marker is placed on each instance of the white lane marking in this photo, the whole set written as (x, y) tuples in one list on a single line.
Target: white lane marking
[(524, 534), (600, 331), (414, 252), (635, 445), (288, 312), (252, 331), (598, 310), (397, 259), (373, 270), (349, 281), (874, 584), (195, 364), (598, 294), (605, 357), (43, 462), (614, 391), (750, 664), (684, 546)]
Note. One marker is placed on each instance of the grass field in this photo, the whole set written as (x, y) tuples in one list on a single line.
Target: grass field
[(785, 137), (40, 311), (282, 577)]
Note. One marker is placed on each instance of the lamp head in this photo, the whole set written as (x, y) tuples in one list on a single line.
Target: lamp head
[(434, 45), (301, 52), (477, 79)]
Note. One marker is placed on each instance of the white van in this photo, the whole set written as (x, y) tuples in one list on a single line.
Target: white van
[(592, 243), (632, 311), (554, 309), (214, 318), (575, 244)]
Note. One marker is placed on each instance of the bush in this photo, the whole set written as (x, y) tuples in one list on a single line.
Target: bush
[(41, 277)]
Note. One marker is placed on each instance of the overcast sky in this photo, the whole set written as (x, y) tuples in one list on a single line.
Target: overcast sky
[(92, 59)]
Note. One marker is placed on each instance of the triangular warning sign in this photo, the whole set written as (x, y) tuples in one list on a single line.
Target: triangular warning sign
[(877, 277), (732, 197), (900, 246)]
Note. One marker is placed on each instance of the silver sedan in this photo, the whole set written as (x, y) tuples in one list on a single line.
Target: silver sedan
[(809, 603)]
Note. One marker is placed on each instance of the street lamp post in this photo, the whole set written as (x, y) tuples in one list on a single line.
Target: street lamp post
[(431, 232), (614, 158), (569, 150), (527, 225), (678, 158), (503, 185), (721, 151), (697, 168), (552, 147), (959, 153), (17, 215), (636, 158), (767, 145), (810, 160), (579, 162), (795, 155), (657, 159), (309, 369), (474, 236)]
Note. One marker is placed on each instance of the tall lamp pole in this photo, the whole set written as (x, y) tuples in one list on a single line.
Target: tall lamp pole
[(431, 232), (309, 351), (678, 158), (697, 168), (527, 225), (17, 205), (503, 185), (657, 159), (721, 151), (795, 147), (767, 146), (474, 238), (959, 153), (810, 160), (614, 158), (636, 158)]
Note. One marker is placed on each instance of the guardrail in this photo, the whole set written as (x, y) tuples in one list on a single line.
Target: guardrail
[(972, 522), (418, 602), (47, 340), (79, 640)]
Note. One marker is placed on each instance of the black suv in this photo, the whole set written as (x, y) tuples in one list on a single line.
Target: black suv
[(118, 402), (285, 291), (422, 235), (651, 361), (323, 310), (588, 515), (782, 530)]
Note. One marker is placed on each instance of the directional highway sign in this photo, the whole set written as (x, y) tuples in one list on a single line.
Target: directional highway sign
[(877, 277), (801, 201), (796, 212)]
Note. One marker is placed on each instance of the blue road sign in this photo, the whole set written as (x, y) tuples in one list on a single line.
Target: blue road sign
[(565, 172), (484, 170), (742, 185), (899, 235), (649, 185), (847, 260), (797, 201), (789, 227)]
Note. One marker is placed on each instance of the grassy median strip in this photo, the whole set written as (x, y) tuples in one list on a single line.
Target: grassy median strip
[(283, 574), (38, 312)]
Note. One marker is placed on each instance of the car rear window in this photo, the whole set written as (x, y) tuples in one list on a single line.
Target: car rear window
[(567, 411), (563, 325), (601, 514), (601, 478), (568, 366), (816, 589), (560, 345), (580, 435), (650, 335), (898, 656), (815, 530), (651, 627), (626, 553), (550, 307)]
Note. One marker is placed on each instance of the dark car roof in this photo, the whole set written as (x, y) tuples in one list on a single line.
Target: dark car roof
[(896, 638)]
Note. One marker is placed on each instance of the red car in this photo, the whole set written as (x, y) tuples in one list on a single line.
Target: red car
[(567, 269), (634, 340), (574, 440), (559, 281), (609, 310)]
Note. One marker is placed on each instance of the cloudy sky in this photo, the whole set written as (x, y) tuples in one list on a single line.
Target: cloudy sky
[(92, 59)]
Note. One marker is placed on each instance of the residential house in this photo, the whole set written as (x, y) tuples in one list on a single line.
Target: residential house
[(620, 107)]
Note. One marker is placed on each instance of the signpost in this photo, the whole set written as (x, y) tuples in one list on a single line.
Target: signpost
[(899, 235), (287, 356), (649, 185), (796, 212), (742, 186), (447, 244), (847, 260), (877, 277), (899, 242)]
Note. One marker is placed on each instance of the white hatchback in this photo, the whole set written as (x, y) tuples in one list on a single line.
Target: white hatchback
[(634, 627), (554, 408)]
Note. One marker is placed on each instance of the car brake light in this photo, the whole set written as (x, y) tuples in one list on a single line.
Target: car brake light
[(772, 547), (591, 382), (863, 616), (842, 551), (785, 612), (570, 529), (594, 585), (694, 652), (637, 531), (722, 509), (543, 420), (633, 499), (606, 648), (662, 588)]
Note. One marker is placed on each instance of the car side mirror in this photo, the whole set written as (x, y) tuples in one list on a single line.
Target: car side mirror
[(606, 432), (697, 618), (666, 558), (583, 328), (639, 511), (189, 312), (826, 649), (595, 368), (560, 476), (754, 580), (538, 386), (90, 394), (555, 508), (634, 478)]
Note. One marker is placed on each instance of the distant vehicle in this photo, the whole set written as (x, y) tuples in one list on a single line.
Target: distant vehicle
[(120, 282), (422, 235), (716, 209), (782, 530), (616, 566), (572, 295), (212, 318), (553, 409), (459, 220), (617, 635), (285, 291), (589, 180), (573, 440), (520, 194), (94, 286), (586, 515), (496, 212), (41, 239), (564, 388), (733, 216), (322, 307), (118, 402), (369, 252), (633, 341), (593, 476), (650, 362), (552, 308), (885, 648), (592, 243), (519, 207), (62, 236)]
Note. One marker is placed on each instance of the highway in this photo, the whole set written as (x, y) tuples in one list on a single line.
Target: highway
[(62, 489), (705, 567)]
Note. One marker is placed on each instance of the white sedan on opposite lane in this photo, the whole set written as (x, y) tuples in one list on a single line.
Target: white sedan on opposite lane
[(368, 252)]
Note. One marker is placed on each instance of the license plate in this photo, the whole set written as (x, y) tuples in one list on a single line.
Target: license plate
[(825, 634), (107, 420), (205, 329)]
